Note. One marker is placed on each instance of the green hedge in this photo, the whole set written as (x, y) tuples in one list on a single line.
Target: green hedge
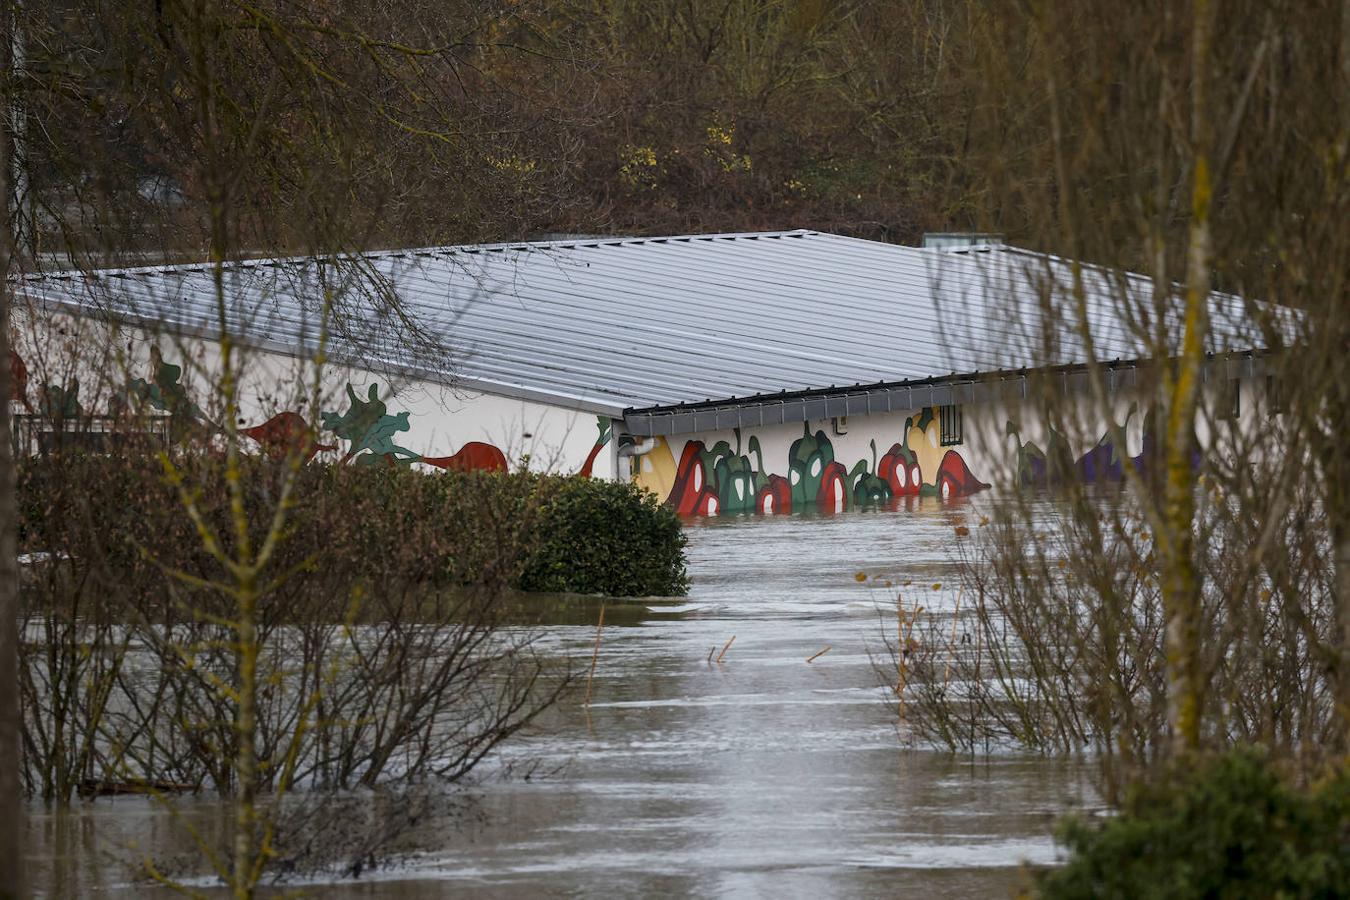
[(391, 529), (1230, 828), (604, 537)]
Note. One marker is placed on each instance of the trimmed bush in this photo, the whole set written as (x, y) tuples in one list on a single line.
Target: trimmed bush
[(392, 529), (1231, 828), (604, 537)]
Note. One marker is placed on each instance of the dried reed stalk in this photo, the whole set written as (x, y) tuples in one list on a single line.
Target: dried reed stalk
[(951, 642), (726, 648), (595, 654), (813, 657), (904, 632)]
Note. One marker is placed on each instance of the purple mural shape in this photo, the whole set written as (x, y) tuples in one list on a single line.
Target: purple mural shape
[(1103, 464)]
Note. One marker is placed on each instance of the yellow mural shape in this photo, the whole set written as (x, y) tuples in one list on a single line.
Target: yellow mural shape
[(925, 444), (656, 470)]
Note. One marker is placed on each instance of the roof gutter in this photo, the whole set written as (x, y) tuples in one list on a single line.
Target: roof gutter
[(884, 397)]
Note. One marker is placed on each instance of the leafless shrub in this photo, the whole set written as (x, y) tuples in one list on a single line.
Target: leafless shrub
[(381, 661)]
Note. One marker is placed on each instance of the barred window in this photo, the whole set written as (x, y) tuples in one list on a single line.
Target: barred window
[(949, 419), (1274, 394), (1230, 401)]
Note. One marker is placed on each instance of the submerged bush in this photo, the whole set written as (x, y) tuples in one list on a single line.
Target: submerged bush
[(604, 537), (1231, 828)]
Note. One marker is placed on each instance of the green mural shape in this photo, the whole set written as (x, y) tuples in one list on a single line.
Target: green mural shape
[(166, 393), (605, 425), (1035, 465), (737, 482), (370, 430), (761, 474), (61, 403), (807, 459), (925, 417), (865, 486)]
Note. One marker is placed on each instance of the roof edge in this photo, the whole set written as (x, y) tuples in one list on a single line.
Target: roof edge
[(450, 380), (399, 252)]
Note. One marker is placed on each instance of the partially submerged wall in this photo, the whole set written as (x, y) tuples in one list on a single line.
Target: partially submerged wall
[(78, 366), (831, 465)]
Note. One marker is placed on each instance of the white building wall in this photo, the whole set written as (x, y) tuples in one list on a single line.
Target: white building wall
[(59, 351), (824, 465)]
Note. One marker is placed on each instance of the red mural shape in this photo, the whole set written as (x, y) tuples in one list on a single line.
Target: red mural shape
[(475, 456), (284, 432), (954, 478), (18, 380), (833, 494), (606, 435), (692, 495), (904, 476), (774, 497), (589, 464)]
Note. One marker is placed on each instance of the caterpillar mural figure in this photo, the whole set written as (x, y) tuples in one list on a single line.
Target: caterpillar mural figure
[(722, 480), (284, 433)]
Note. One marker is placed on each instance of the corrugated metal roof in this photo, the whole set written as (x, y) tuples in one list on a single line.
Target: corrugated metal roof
[(610, 325)]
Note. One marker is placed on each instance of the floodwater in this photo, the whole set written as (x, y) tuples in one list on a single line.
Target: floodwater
[(759, 775)]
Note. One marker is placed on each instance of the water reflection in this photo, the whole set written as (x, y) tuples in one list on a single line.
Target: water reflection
[(761, 774)]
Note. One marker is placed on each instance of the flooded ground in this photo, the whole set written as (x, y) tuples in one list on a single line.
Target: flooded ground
[(759, 775)]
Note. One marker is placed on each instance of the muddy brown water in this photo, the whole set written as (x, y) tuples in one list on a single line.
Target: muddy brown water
[(764, 775)]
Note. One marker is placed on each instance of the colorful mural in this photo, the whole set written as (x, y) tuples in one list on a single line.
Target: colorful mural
[(804, 473), (723, 480), (1103, 463), (166, 393), (58, 403), (369, 430), (367, 426)]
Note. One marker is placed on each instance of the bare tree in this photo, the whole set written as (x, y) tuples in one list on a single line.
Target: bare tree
[(230, 131), (1186, 595)]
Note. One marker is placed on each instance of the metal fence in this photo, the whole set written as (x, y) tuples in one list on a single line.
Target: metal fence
[(38, 435)]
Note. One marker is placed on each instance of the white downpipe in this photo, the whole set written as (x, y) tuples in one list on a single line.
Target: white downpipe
[(614, 457), (628, 451), (641, 448)]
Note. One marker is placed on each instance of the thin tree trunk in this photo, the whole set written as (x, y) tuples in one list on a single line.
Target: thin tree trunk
[(11, 808), (246, 761), (1181, 582), (1341, 657), (1337, 471)]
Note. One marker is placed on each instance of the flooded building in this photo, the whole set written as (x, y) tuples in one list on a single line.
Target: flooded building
[(768, 372)]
